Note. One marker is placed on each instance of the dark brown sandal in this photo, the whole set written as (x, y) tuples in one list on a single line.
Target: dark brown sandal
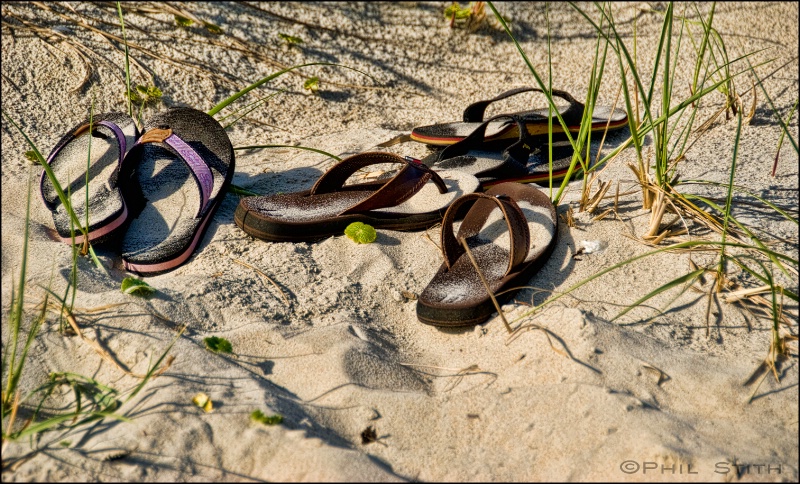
[(404, 202), (456, 296), (536, 121)]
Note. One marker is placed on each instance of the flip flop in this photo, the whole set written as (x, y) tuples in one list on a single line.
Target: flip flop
[(176, 177), (535, 121), (406, 201), (525, 161), (456, 296), (111, 137)]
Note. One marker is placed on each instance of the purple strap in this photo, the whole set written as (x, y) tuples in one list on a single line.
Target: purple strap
[(199, 167), (200, 170), (108, 124)]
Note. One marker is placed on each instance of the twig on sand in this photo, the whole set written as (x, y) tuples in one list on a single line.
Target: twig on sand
[(485, 284), (102, 352), (283, 295), (459, 375)]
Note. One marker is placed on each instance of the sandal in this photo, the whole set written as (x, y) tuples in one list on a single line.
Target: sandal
[(404, 202), (176, 177), (456, 296), (536, 121), (525, 161), (103, 152)]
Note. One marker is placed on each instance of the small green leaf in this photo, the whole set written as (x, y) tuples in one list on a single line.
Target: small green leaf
[(290, 39), (214, 29), (218, 345), (65, 443), (136, 287), (312, 84), (361, 233), (31, 156), (258, 416), (183, 21)]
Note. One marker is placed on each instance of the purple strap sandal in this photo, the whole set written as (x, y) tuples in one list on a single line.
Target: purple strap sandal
[(87, 165), (175, 179)]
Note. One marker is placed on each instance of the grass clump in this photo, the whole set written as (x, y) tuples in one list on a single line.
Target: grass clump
[(655, 109)]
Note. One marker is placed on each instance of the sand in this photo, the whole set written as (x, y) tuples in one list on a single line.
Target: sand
[(576, 395)]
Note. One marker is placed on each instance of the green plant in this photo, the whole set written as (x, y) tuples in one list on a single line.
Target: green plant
[(311, 84), (360, 233), (137, 287), (259, 417), (218, 345), (671, 123), (470, 16), (290, 39), (93, 401)]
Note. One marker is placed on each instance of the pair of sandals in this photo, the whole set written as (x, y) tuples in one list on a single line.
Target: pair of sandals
[(153, 191), (513, 146), (418, 197)]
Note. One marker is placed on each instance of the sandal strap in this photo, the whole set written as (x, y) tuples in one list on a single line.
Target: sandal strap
[(408, 181), (201, 173), (475, 220), (515, 160), (75, 134), (475, 111)]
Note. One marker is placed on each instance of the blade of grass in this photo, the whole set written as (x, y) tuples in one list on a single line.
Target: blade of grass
[(780, 141), (256, 84), (742, 189), (772, 106), (50, 175), (15, 320), (686, 278), (127, 60), (728, 202), (315, 150)]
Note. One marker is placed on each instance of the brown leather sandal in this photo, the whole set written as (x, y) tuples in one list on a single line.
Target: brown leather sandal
[(407, 201), (536, 121), (456, 296)]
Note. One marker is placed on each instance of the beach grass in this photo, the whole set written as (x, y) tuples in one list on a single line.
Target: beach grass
[(671, 123)]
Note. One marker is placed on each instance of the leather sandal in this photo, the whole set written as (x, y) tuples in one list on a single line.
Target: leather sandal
[(415, 198), (525, 161), (535, 121), (507, 252)]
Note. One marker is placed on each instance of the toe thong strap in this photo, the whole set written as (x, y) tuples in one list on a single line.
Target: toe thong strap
[(408, 181), (475, 220), (475, 111)]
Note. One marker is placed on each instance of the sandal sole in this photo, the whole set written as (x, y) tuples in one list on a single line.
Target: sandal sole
[(533, 130), (266, 229)]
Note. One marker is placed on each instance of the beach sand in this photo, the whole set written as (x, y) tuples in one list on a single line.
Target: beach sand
[(658, 394)]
